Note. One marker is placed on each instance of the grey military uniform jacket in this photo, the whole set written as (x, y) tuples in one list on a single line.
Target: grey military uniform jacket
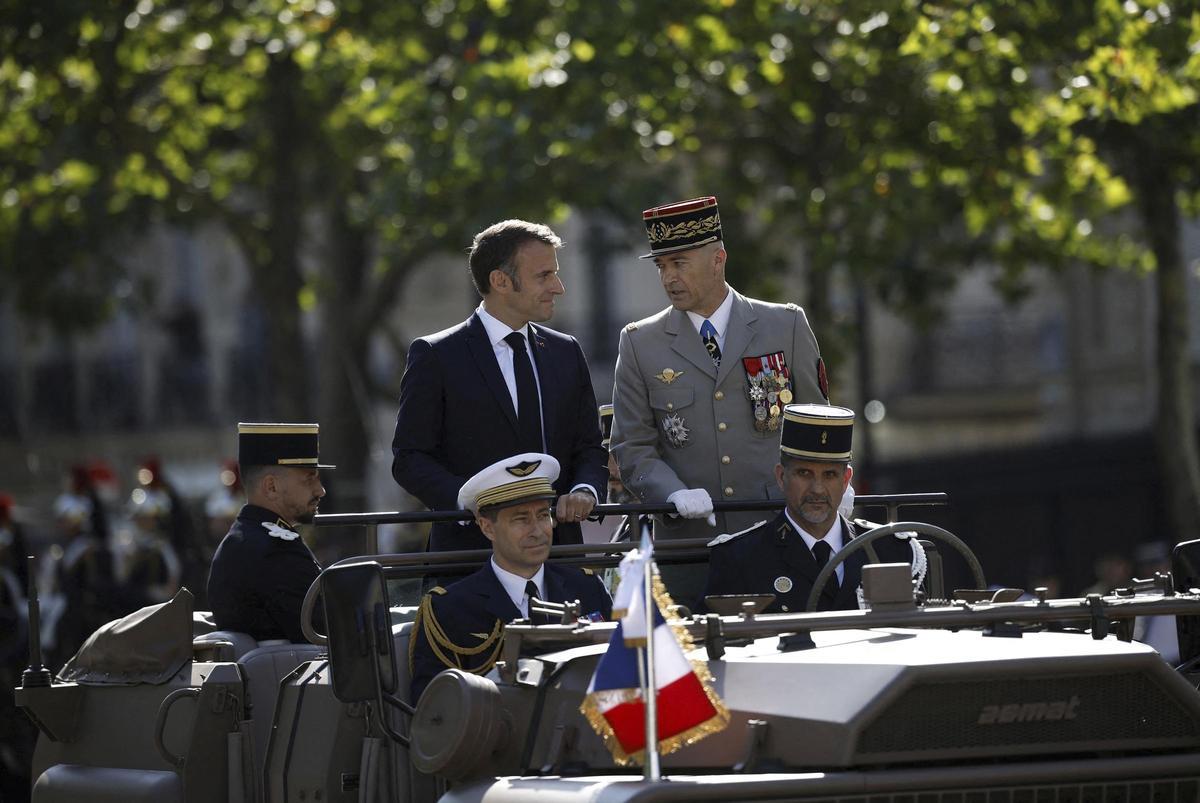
[(666, 383)]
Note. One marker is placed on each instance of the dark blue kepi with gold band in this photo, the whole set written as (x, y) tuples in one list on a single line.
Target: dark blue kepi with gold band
[(280, 445)]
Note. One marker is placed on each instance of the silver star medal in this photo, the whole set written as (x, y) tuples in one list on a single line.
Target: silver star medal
[(275, 531), (675, 430)]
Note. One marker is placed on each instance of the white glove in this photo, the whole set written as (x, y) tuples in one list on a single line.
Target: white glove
[(693, 503)]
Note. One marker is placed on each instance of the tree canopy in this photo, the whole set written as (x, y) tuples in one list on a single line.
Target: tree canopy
[(341, 144)]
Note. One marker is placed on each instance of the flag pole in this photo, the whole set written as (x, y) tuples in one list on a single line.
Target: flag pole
[(653, 772)]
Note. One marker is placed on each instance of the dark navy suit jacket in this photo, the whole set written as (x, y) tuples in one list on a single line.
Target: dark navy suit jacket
[(467, 611), (751, 563), (456, 418)]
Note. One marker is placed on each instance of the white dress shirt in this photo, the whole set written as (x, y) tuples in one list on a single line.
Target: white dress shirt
[(719, 319), (514, 585), (833, 538), (497, 330)]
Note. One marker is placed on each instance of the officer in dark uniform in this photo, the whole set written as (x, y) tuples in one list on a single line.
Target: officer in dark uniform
[(784, 555), (262, 569), (462, 626), (617, 493)]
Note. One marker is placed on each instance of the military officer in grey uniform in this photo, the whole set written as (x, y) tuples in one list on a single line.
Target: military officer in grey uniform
[(700, 387)]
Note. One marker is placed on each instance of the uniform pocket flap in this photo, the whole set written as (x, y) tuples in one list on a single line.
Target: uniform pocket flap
[(671, 399)]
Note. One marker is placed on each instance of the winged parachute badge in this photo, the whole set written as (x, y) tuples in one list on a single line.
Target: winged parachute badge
[(668, 375)]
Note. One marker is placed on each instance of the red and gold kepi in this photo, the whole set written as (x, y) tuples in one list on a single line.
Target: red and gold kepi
[(682, 225), (818, 432)]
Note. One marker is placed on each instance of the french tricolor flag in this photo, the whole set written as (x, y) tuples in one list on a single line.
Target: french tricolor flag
[(688, 709)]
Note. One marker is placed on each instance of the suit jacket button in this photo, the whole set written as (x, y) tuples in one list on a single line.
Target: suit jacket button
[(729, 490), (722, 426), (725, 459), (720, 394), (784, 608)]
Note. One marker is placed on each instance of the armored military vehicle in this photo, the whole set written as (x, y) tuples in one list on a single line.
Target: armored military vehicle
[(926, 695)]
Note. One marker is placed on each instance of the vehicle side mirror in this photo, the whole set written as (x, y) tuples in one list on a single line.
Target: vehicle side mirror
[(1185, 569), (360, 634)]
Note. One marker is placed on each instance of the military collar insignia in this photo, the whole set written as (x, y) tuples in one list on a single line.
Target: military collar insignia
[(280, 529), (523, 469), (668, 375)]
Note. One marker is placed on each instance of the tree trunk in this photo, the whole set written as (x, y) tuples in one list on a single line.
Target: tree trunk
[(343, 396), (277, 277), (1174, 426)]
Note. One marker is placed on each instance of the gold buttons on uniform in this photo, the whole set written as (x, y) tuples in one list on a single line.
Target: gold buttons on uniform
[(720, 394), (722, 426), (725, 459), (729, 490)]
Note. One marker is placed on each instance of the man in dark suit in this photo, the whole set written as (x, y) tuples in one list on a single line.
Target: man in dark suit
[(262, 569), (462, 626), (784, 555), (471, 395)]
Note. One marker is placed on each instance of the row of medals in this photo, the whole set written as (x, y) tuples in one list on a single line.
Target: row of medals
[(769, 392)]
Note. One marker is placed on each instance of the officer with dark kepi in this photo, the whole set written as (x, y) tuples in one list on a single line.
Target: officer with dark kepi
[(627, 528), (784, 555), (462, 626), (262, 569)]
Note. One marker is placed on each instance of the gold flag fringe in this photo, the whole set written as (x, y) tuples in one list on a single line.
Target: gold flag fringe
[(713, 724)]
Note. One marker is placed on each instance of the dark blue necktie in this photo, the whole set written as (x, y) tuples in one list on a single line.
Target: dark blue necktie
[(529, 407), (708, 333), (821, 552), (531, 591)]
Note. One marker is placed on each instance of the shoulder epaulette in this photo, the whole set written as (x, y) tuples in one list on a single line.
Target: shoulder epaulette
[(726, 537), (588, 572), (630, 327), (437, 590), (793, 306)]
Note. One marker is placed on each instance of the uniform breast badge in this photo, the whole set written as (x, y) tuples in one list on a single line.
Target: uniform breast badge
[(783, 584), (675, 430), (668, 375), (769, 387)]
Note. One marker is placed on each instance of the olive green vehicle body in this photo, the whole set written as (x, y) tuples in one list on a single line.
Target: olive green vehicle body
[(954, 701)]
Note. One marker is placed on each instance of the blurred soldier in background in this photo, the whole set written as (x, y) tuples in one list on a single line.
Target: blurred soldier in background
[(17, 734), (222, 505), (179, 527), (14, 551), (84, 576), (152, 571)]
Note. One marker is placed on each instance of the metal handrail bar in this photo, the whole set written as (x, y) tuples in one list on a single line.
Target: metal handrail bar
[(645, 508)]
